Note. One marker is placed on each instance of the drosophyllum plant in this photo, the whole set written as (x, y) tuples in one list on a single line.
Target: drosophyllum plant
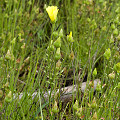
[(56, 54), (55, 45)]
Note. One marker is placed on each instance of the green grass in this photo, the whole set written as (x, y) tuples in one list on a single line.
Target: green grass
[(27, 65)]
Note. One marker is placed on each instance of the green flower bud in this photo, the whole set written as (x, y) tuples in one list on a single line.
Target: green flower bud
[(111, 39), (45, 6), (98, 87), (55, 34), (13, 41), (61, 33), (1, 93), (58, 64), (70, 38), (115, 32), (117, 67), (6, 15), (7, 85), (104, 28), (116, 20), (51, 48), (88, 20), (9, 94), (9, 56), (8, 98), (19, 36), (95, 72), (79, 112), (111, 75), (27, 60), (118, 37), (71, 56), (75, 106), (55, 108), (93, 24), (95, 116), (113, 26), (57, 55), (93, 104), (57, 43), (107, 53), (23, 46)]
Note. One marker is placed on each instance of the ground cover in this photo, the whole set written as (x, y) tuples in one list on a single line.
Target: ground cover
[(53, 52)]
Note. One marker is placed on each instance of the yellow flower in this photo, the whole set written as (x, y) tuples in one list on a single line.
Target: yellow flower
[(52, 12), (69, 37)]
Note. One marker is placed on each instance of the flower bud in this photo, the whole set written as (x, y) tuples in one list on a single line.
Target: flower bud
[(27, 60), (58, 64), (95, 72), (8, 98), (45, 6), (118, 37), (57, 55), (6, 84), (117, 67), (111, 75), (95, 116), (23, 46), (9, 94), (79, 112), (57, 43), (93, 104), (13, 41), (93, 24), (88, 20), (9, 56), (61, 33), (70, 38), (113, 26), (71, 56), (115, 32), (104, 28), (75, 106), (51, 48), (116, 20), (55, 34), (111, 40), (19, 36), (107, 53), (98, 87), (55, 108)]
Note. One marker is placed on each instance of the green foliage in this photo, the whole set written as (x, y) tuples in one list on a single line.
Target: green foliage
[(38, 56)]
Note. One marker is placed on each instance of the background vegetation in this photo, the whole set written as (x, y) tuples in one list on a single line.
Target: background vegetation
[(27, 65)]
